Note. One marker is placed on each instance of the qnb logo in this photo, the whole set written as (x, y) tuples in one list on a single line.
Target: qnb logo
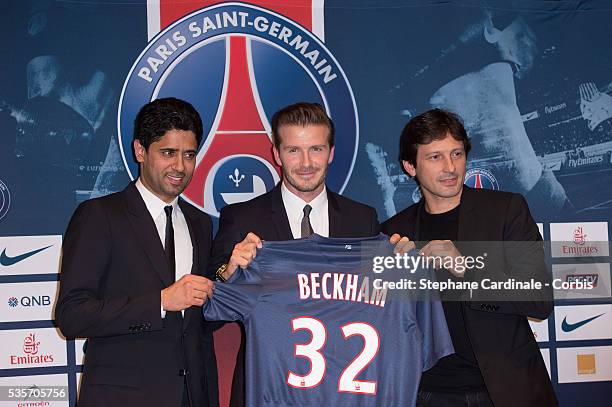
[(31, 355), (30, 301), (480, 178), (237, 64)]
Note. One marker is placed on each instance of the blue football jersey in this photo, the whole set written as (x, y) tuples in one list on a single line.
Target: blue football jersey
[(321, 332)]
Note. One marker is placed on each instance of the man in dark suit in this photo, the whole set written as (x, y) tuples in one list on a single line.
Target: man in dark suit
[(131, 279), (497, 360), (303, 137)]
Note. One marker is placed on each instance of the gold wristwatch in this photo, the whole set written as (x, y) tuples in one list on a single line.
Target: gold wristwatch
[(219, 273)]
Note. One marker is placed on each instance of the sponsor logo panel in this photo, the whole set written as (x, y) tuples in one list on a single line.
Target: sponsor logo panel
[(581, 322), (584, 364), (21, 255), (583, 239), (579, 276), (80, 346), (79, 378), (546, 356), (27, 301), (541, 229), (32, 348), (59, 381), (540, 329)]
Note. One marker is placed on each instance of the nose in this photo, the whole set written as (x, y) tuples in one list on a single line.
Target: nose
[(179, 164), (449, 164), (306, 159)]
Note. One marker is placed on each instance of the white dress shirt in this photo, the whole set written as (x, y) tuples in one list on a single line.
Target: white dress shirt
[(294, 206), (183, 248)]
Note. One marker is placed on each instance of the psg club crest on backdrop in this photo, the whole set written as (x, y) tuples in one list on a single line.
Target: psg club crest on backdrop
[(480, 178), (237, 64)]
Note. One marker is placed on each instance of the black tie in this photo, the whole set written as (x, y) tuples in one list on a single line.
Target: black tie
[(169, 245), (306, 226)]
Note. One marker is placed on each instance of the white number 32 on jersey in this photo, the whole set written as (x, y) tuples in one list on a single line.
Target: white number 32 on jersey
[(312, 352)]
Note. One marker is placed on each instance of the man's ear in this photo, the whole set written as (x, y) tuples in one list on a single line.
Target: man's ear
[(331, 155), (409, 168), (139, 151), (277, 156)]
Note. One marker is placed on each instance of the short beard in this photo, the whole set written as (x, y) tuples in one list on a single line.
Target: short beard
[(289, 179)]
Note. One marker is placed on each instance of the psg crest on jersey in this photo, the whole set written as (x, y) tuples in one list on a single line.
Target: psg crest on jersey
[(238, 64), (480, 178)]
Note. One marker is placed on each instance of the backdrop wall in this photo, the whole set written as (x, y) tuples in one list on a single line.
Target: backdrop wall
[(532, 80)]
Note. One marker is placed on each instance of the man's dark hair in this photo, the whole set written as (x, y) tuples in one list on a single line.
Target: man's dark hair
[(433, 125), (161, 115), (301, 114)]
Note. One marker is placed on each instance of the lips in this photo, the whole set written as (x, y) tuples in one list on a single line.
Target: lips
[(175, 179), (449, 181), (306, 174)]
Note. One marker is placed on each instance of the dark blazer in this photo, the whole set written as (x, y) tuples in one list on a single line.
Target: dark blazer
[(266, 217), (503, 342), (113, 270)]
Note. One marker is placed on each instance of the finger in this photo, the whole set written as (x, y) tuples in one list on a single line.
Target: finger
[(194, 278), (402, 246), (246, 250), (201, 285), (405, 246), (202, 294), (240, 261), (253, 238), (394, 238), (241, 257), (197, 301)]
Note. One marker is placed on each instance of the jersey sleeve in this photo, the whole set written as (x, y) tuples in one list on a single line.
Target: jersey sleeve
[(232, 302), (437, 342)]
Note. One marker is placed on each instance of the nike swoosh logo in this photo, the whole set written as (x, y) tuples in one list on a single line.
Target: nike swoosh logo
[(567, 327), (9, 261)]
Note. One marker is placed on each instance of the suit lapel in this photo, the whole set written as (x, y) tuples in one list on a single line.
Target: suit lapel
[(466, 218), (416, 223), (334, 215), (194, 234), (279, 214), (146, 233)]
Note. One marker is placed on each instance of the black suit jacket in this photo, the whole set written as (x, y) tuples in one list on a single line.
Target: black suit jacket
[(503, 342), (113, 270), (266, 217)]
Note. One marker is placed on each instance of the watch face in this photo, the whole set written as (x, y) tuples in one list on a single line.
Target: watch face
[(219, 273)]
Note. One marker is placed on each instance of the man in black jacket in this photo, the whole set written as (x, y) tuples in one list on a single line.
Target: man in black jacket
[(132, 276), (497, 360)]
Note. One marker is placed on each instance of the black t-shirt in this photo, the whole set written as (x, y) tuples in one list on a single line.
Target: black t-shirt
[(458, 372)]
